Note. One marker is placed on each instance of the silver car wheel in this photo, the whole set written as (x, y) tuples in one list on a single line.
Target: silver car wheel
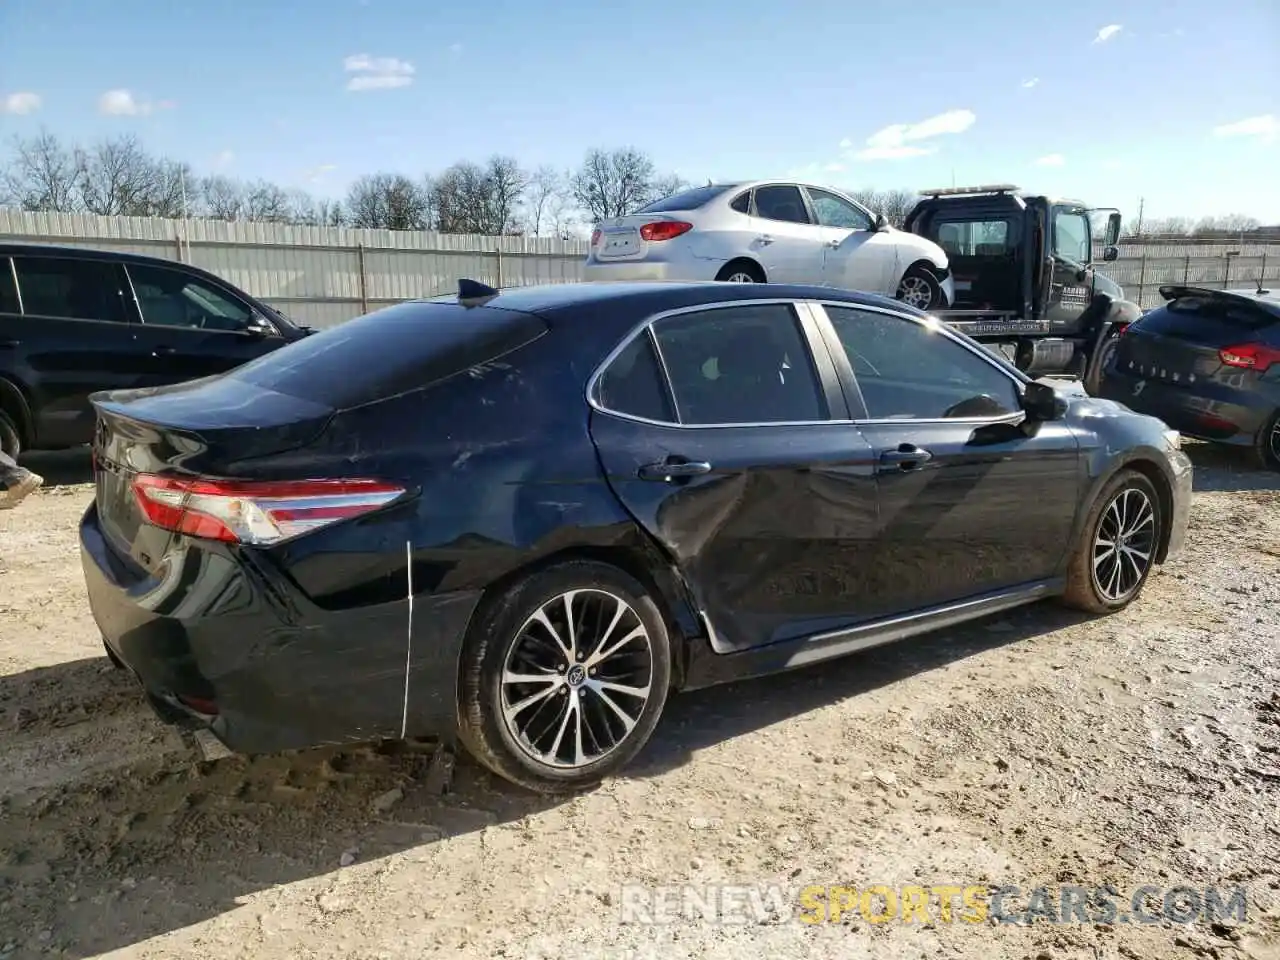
[(1123, 545), (916, 292), (577, 678)]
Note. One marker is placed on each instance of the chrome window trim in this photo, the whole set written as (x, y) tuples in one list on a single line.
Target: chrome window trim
[(816, 308)]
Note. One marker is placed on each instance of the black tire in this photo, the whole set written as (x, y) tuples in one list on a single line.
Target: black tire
[(741, 271), (920, 288), (1088, 581), (10, 439), (1096, 366), (1267, 445), (499, 633)]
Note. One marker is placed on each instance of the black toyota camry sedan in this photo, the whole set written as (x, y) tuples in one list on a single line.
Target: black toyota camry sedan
[(522, 518)]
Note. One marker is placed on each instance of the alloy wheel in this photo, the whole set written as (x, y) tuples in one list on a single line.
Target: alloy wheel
[(1123, 544), (577, 678), (1273, 442), (915, 292), (740, 276)]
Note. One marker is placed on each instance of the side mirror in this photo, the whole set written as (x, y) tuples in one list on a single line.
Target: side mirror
[(1110, 253), (258, 327), (881, 222), (1113, 231), (1041, 402)]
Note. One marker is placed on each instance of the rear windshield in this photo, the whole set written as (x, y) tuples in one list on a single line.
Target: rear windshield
[(687, 200), (1180, 311), (389, 352)]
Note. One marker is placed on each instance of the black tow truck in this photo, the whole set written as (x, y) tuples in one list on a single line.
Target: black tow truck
[(1025, 280)]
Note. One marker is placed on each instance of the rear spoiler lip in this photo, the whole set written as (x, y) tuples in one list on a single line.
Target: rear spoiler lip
[(1268, 312), (1174, 290)]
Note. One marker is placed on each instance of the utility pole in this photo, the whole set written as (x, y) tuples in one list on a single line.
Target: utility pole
[(1142, 202)]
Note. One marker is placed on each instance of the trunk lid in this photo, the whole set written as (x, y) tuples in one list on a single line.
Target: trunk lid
[(201, 427), (620, 237), (1179, 344)]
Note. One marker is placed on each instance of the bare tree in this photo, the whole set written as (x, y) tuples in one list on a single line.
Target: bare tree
[(613, 183), (116, 177), (545, 184), (221, 198), (469, 198), (388, 201), (896, 204), (40, 176), (667, 185), (267, 203)]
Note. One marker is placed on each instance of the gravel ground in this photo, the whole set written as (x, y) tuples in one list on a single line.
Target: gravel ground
[(1035, 749)]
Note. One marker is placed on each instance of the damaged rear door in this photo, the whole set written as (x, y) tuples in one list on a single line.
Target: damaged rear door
[(723, 432)]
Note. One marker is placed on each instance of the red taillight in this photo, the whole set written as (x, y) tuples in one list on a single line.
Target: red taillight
[(595, 236), (255, 512), (664, 229), (1250, 356)]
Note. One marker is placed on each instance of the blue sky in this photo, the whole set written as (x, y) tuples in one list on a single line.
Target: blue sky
[(1177, 101)]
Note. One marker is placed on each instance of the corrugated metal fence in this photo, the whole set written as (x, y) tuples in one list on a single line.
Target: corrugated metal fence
[(317, 275), (324, 275)]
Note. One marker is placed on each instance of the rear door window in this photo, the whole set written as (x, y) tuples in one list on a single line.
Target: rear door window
[(389, 352), (174, 298), (781, 202), (69, 288), (974, 238), (740, 364)]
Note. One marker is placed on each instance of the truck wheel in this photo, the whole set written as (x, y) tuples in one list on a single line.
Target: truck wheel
[(1268, 445), (1096, 365), (919, 288), (10, 439)]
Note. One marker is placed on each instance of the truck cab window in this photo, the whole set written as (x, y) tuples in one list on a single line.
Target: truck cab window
[(1071, 235)]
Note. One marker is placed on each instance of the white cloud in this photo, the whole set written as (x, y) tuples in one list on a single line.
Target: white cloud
[(834, 167), (1107, 32), (1028, 84), (224, 159), (377, 73), (122, 103), (846, 143), (317, 174), (899, 141), (1265, 127), (20, 103), (1051, 160)]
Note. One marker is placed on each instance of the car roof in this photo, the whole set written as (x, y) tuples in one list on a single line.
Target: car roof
[(85, 253), (657, 296)]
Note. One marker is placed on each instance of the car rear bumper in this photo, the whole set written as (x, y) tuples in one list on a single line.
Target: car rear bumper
[(1229, 416), (222, 643), (640, 270)]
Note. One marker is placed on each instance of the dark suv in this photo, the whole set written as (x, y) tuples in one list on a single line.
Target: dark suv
[(76, 321)]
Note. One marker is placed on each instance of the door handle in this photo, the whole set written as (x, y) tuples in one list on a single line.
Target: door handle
[(163, 352), (765, 239), (672, 469), (9, 344), (906, 457), (833, 244)]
